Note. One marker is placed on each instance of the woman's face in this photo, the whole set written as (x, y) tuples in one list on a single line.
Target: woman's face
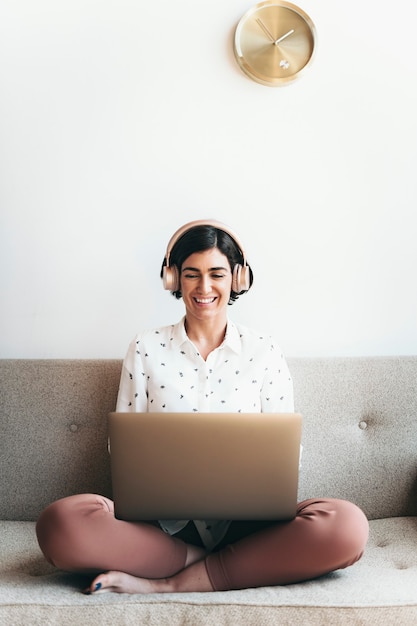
[(206, 283)]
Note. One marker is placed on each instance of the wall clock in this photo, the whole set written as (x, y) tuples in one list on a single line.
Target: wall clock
[(274, 42)]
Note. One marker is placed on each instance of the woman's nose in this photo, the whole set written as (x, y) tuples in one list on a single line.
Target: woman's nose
[(204, 284)]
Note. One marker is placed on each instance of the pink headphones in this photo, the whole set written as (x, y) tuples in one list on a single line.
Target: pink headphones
[(240, 273)]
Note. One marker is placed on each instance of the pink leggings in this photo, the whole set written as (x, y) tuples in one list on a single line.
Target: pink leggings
[(81, 534)]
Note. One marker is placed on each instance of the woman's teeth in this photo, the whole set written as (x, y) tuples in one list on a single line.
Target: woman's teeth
[(204, 300)]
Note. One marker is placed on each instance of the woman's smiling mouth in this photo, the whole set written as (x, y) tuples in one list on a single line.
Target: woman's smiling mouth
[(204, 300)]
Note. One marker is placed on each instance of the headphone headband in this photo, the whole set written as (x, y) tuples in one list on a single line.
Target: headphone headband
[(241, 273), (214, 223)]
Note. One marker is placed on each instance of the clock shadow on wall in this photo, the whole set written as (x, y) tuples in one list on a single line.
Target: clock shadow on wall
[(274, 43)]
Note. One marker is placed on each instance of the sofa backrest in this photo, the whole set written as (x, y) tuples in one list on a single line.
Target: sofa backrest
[(359, 431)]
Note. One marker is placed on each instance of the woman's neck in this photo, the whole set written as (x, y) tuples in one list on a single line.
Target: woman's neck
[(206, 335)]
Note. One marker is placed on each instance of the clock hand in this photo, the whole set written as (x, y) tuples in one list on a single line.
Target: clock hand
[(266, 31), (278, 41)]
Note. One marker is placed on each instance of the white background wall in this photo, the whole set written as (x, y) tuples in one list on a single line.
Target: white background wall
[(122, 119)]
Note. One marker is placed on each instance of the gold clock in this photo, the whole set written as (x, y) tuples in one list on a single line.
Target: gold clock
[(274, 42)]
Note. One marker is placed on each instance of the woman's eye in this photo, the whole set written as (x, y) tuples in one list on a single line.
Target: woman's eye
[(215, 276)]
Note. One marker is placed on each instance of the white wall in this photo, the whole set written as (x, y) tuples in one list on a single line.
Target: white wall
[(121, 120)]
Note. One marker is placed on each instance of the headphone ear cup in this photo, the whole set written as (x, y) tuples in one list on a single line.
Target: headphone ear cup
[(244, 278), (240, 278), (170, 278)]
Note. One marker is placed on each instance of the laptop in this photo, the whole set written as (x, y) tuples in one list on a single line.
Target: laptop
[(231, 466)]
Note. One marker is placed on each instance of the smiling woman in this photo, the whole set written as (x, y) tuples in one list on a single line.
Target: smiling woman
[(205, 265), (203, 363), (199, 236)]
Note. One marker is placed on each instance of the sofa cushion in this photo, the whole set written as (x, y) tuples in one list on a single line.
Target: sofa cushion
[(380, 588)]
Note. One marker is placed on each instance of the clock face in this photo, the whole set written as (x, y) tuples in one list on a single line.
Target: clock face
[(274, 42)]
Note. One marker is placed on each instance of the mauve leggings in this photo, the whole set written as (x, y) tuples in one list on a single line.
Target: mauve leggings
[(81, 534)]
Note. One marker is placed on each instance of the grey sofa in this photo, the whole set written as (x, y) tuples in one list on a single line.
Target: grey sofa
[(360, 443)]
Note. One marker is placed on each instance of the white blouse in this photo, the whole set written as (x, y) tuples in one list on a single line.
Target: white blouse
[(163, 371)]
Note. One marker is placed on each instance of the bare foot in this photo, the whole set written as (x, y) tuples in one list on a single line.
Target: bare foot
[(120, 582)]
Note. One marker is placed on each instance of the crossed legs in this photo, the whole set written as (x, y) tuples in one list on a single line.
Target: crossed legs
[(81, 534)]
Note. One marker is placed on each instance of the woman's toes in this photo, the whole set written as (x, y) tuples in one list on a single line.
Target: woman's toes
[(96, 586)]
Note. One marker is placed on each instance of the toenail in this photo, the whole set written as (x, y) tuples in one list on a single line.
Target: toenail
[(97, 587)]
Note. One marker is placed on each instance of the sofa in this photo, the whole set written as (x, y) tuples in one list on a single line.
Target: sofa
[(360, 443)]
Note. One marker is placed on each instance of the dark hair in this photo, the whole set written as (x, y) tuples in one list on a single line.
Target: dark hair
[(202, 238)]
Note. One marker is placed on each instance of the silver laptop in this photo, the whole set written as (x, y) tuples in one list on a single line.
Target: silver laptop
[(234, 466)]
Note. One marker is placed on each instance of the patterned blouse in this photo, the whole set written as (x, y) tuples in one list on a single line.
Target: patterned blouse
[(163, 371)]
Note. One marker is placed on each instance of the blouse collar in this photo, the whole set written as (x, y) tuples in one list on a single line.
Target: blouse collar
[(232, 338)]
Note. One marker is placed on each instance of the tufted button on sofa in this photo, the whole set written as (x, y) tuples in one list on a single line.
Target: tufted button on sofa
[(360, 443)]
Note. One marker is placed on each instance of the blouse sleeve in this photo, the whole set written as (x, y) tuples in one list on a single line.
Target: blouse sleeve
[(132, 396)]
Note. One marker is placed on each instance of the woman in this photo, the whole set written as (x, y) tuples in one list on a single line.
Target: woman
[(203, 363)]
